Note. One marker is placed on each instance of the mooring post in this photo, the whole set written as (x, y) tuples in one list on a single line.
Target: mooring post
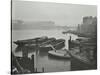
[(36, 50), (32, 60), (69, 43)]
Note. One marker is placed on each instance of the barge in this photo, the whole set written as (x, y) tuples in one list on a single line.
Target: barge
[(31, 41), (57, 44), (42, 43)]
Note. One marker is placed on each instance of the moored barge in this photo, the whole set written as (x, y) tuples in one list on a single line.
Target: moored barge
[(42, 43)]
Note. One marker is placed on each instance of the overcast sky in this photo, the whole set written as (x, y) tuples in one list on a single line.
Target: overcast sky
[(61, 14)]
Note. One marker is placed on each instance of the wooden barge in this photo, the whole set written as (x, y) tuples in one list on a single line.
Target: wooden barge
[(42, 43)]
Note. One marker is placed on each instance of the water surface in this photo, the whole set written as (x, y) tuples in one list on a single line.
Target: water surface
[(50, 64)]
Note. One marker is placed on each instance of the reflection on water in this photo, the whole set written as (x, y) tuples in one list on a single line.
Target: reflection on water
[(50, 64)]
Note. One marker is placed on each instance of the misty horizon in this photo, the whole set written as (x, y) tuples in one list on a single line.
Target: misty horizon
[(61, 14)]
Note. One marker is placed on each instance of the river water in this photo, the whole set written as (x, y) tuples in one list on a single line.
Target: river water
[(44, 61)]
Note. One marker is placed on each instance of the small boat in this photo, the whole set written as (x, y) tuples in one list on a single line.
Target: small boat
[(59, 53)]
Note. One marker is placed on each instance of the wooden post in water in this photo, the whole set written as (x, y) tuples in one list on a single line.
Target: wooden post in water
[(36, 50), (69, 43), (32, 60)]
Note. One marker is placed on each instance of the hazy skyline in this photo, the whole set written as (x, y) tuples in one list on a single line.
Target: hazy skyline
[(61, 14)]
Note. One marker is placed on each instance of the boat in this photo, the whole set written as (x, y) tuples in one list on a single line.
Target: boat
[(82, 41), (37, 40), (59, 53), (57, 44), (42, 43), (30, 41)]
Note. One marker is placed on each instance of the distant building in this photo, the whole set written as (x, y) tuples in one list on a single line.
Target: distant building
[(89, 25)]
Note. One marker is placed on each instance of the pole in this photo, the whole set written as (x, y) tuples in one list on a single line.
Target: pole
[(69, 43), (36, 53), (32, 59)]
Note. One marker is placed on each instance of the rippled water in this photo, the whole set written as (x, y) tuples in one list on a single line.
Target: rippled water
[(50, 64)]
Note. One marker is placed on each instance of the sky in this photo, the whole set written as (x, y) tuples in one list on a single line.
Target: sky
[(61, 14)]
